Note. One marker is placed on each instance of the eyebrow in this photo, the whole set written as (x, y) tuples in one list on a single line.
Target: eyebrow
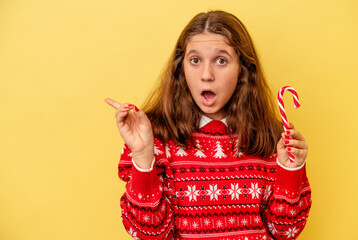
[(224, 52), (193, 51)]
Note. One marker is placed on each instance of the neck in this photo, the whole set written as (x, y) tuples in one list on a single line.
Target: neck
[(215, 116)]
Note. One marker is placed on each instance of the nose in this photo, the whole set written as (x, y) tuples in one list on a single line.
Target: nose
[(207, 73)]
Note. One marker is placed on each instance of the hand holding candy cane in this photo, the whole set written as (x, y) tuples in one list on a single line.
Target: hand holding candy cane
[(292, 148)]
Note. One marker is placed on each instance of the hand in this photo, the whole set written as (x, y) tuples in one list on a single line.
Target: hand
[(136, 131), (295, 145)]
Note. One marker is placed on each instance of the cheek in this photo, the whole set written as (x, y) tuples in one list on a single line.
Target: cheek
[(189, 74), (227, 92), (232, 90), (230, 86), (187, 70), (190, 79), (234, 76)]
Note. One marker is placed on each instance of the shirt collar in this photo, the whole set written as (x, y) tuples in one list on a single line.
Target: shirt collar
[(205, 120)]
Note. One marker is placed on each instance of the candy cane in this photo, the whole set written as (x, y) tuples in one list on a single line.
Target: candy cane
[(283, 112)]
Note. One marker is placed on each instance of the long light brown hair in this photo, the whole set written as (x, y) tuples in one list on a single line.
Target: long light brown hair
[(250, 111)]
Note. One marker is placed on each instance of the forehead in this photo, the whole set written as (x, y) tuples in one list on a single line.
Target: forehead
[(205, 40)]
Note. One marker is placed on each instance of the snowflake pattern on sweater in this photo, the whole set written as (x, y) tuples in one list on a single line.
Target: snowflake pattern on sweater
[(213, 192)]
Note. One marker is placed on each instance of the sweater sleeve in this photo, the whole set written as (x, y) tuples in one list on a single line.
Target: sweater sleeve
[(288, 207), (146, 206)]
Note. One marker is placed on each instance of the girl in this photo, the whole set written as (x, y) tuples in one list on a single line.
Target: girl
[(207, 158)]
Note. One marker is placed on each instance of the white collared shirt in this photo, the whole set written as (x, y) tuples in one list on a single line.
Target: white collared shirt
[(205, 120)]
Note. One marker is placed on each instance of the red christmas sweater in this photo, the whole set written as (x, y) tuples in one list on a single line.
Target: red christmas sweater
[(212, 192)]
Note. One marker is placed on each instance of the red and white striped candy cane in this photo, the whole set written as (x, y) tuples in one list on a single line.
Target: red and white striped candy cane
[(283, 112)]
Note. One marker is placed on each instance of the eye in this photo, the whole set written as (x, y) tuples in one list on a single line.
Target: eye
[(221, 61), (195, 60)]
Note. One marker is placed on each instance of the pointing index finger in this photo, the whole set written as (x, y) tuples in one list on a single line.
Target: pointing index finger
[(113, 103)]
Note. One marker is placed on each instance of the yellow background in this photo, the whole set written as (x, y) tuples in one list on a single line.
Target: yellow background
[(59, 144)]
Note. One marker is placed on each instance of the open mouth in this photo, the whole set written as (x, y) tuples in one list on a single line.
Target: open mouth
[(208, 95)]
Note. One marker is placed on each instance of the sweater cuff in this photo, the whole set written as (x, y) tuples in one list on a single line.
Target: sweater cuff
[(289, 169), (144, 170), (145, 182), (290, 178)]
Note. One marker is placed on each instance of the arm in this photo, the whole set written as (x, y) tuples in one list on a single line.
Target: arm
[(146, 208), (288, 207)]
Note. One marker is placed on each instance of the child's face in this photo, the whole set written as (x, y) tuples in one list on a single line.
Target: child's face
[(211, 70)]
